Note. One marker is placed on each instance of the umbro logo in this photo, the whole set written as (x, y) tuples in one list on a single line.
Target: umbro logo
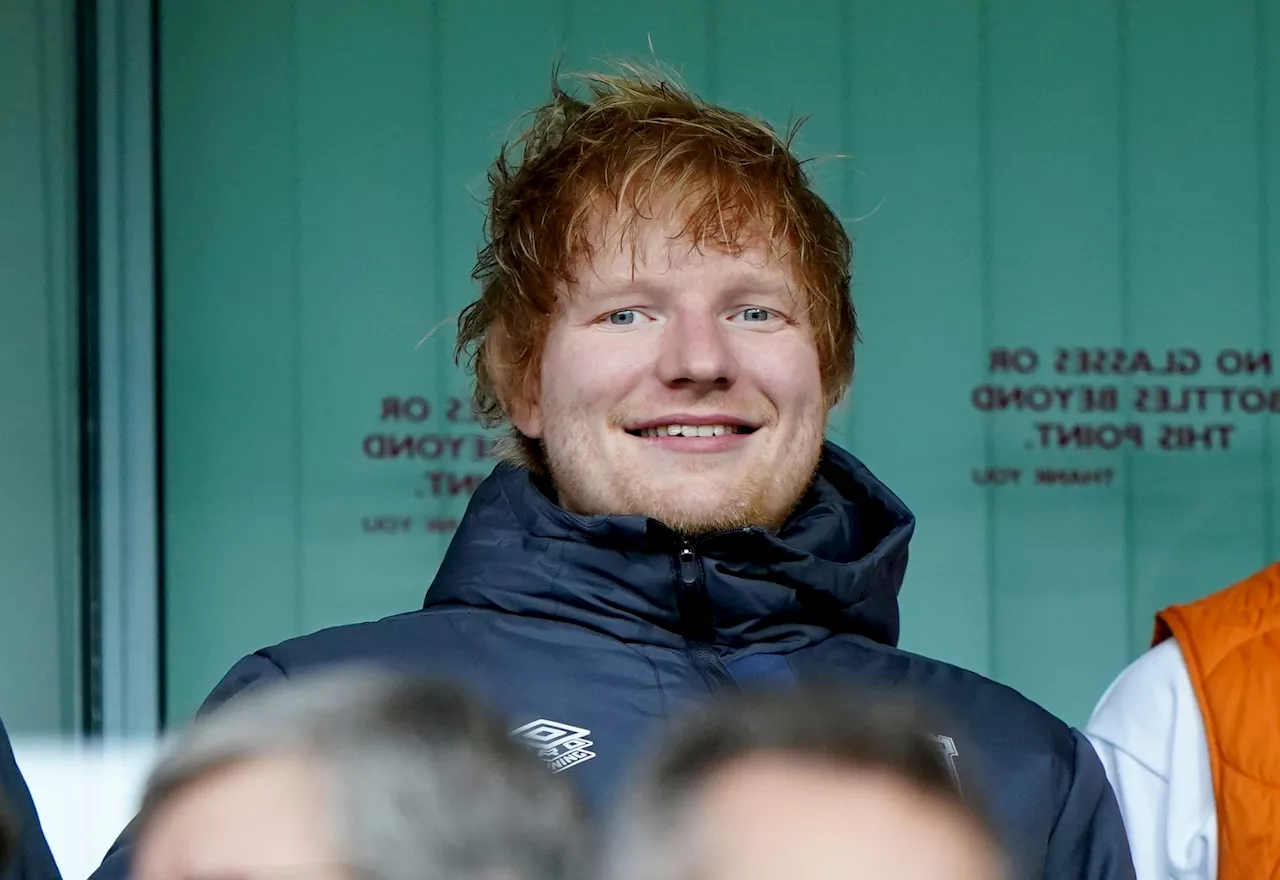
[(561, 745), (947, 746)]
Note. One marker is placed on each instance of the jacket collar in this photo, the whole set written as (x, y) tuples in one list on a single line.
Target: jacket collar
[(836, 565)]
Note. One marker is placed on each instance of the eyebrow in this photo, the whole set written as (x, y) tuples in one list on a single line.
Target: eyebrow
[(622, 287)]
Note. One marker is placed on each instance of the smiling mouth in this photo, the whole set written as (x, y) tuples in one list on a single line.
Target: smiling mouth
[(691, 430)]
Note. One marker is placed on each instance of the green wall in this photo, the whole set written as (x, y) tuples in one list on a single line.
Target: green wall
[(1017, 174), (38, 409)]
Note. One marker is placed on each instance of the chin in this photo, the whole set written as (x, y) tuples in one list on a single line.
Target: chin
[(698, 521), (687, 507)]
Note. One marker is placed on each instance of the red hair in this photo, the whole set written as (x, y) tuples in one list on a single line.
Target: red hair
[(639, 144)]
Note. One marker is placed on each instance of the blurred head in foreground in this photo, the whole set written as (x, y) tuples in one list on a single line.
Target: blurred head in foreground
[(803, 785), (356, 775)]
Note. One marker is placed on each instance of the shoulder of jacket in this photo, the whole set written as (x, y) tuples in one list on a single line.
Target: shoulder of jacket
[(987, 709), (364, 640)]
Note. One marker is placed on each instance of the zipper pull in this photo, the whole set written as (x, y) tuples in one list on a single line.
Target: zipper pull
[(688, 567)]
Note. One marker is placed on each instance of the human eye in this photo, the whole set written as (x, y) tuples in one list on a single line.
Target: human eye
[(624, 318), (754, 315)]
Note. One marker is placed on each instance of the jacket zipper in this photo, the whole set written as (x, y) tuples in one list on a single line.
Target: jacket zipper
[(701, 650)]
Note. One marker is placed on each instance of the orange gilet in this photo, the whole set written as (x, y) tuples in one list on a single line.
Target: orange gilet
[(1231, 643)]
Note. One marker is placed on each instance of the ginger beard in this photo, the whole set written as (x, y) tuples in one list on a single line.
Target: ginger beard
[(665, 336), (692, 494)]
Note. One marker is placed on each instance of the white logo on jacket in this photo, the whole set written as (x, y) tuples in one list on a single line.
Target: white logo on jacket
[(949, 754), (561, 745)]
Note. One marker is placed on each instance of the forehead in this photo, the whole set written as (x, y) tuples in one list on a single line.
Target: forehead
[(825, 816), (628, 249), (254, 816), (825, 819)]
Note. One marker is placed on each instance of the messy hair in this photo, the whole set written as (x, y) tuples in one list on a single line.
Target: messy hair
[(641, 144)]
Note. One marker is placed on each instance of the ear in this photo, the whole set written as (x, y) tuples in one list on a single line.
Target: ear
[(526, 415), (520, 400), (517, 393)]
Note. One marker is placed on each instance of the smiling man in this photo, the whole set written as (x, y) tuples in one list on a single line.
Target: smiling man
[(702, 405), (663, 325)]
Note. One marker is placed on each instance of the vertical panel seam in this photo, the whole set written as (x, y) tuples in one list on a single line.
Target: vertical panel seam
[(155, 175), (849, 168), (124, 562), (1124, 205), (52, 351), (296, 309), (986, 279), (1261, 96), (442, 366)]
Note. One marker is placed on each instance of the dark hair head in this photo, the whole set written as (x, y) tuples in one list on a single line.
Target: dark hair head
[(888, 735)]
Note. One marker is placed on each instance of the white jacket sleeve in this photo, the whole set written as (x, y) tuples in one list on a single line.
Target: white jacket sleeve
[(1149, 733)]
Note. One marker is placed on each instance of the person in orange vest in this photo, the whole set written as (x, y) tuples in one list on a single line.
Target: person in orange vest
[(1189, 735)]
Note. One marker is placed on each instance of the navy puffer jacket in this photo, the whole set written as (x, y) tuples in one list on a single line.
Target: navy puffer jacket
[(590, 632)]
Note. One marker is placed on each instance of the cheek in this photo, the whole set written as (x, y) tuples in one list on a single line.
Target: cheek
[(593, 370), (790, 375)]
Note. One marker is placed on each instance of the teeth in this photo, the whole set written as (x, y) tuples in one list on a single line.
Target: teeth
[(688, 431)]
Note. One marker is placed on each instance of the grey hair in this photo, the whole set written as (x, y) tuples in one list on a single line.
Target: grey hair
[(650, 837), (426, 783)]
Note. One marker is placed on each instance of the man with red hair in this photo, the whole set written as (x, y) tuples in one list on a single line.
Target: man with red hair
[(663, 326)]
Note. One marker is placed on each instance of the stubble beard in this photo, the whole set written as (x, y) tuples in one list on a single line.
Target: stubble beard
[(763, 497)]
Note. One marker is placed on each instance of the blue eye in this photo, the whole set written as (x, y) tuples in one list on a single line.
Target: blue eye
[(756, 315), (624, 318)]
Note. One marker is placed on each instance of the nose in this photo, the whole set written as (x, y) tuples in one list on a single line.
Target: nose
[(697, 353)]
